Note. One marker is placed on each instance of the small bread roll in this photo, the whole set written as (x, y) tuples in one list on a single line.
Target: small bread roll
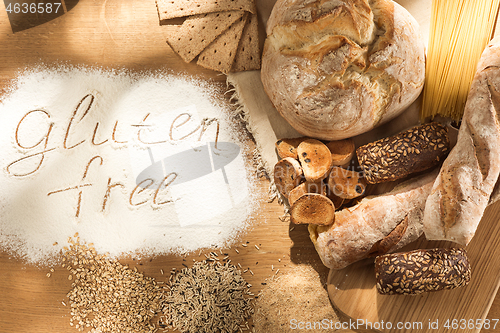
[(338, 68), (419, 271)]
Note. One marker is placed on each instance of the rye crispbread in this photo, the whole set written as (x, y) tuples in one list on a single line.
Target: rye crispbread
[(220, 54), (169, 9), (248, 54), (197, 32)]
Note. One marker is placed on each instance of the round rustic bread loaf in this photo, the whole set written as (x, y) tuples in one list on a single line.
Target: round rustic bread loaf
[(338, 68)]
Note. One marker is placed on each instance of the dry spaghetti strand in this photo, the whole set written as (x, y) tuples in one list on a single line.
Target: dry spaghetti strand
[(459, 32)]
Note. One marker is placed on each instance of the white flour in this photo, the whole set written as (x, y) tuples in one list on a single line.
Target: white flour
[(135, 164)]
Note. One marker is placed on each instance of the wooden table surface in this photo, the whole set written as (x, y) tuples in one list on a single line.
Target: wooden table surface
[(125, 34)]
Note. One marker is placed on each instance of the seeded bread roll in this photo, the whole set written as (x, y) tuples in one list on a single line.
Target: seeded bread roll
[(338, 68), (419, 271), (417, 149)]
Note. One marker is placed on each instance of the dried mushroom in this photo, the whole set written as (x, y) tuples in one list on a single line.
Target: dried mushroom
[(342, 151), (288, 147), (315, 159), (287, 175), (347, 184), (312, 208)]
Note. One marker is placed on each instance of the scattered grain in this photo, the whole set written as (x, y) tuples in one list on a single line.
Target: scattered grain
[(209, 297), (109, 297)]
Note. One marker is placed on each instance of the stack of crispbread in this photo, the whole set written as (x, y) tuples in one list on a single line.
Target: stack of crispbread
[(223, 34)]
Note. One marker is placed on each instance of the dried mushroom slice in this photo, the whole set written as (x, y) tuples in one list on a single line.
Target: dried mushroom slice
[(342, 151), (306, 187), (347, 184), (315, 159), (287, 175), (312, 208), (297, 193), (288, 147)]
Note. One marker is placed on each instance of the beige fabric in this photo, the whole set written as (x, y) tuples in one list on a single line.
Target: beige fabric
[(263, 121)]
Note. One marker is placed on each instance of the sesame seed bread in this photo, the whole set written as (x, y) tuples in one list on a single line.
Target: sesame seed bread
[(372, 227), (338, 68), (468, 176), (414, 150), (419, 271)]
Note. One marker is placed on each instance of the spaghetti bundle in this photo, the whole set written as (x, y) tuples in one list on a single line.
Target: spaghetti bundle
[(459, 32)]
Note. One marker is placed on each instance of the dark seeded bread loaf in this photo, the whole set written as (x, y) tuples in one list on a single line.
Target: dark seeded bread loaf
[(417, 149), (419, 271)]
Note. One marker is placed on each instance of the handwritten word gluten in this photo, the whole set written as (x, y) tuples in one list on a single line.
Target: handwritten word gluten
[(37, 152)]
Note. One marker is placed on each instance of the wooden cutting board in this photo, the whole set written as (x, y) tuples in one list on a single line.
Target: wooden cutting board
[(352, 290)]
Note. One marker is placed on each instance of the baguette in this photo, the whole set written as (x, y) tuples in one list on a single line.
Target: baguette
[(370, 228), (467, 178)]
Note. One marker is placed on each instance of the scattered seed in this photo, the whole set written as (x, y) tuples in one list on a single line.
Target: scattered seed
[(119, 298), (210, 284)]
